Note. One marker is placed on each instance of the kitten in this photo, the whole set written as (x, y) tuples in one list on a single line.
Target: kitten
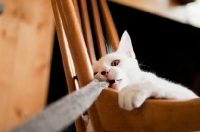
[(122, 71)]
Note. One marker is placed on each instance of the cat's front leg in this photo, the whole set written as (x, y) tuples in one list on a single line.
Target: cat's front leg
[(132, 97)]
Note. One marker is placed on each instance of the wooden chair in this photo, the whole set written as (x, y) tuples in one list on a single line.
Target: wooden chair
[(77, 49)]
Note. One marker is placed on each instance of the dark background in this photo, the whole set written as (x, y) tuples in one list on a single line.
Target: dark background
[(167, 48)]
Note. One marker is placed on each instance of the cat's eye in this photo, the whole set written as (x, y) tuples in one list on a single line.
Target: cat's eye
[(95, 73), (115, 62)]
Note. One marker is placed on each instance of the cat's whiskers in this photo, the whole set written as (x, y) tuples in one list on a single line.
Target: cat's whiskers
[(143, 61), (148, 67), (141, 64)]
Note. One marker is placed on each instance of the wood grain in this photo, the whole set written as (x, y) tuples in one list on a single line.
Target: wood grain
[(26, 44)]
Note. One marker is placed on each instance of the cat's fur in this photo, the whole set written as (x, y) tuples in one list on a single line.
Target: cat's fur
[(133, 84)]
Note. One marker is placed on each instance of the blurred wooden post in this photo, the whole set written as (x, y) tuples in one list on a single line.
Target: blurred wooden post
[(26, 36)]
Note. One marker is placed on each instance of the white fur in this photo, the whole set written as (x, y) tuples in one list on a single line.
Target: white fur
[(136, 85)]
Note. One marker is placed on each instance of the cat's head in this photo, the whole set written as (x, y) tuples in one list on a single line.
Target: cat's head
[(120, 67)]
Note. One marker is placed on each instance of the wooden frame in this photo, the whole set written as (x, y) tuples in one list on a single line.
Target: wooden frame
[(106, 116)]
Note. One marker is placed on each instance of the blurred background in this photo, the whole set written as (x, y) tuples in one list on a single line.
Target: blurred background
[(165, 36)]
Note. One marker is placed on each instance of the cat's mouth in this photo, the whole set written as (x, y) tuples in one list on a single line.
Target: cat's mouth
[(113, 83)]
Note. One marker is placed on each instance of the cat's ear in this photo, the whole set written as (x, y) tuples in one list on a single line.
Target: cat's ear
[(125, 45)]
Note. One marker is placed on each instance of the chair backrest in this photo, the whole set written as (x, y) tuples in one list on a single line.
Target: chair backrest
[(75, 36), (75, 33)]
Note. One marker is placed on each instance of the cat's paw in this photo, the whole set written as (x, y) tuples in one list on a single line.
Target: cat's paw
[(131, 97)]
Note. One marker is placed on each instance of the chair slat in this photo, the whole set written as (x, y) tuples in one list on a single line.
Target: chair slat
[(76, 7), (97, 28), (76, 41), (65, 58), (87, 30), (109, 24), (63, 46), (78, 50)]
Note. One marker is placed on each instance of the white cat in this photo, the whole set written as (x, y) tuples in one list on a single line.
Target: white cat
[(122, 71)]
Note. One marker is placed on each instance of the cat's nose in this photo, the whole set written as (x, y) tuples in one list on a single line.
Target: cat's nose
[(105, 73)]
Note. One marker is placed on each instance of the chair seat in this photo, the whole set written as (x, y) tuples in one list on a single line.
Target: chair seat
[(158, 115)]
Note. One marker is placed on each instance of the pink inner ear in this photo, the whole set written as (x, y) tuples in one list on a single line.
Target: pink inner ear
[(125, 45), (129, 54), (127, 51)]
